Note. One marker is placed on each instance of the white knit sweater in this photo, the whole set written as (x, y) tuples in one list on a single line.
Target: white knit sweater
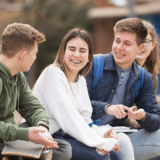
[(71, 113)]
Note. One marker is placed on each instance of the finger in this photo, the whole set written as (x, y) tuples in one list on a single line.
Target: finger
[(119, 112), (134, 108), (131, 114), (125, 108), (118, 147), (47, 142), (102, 151), (123, 113), (107, 133)]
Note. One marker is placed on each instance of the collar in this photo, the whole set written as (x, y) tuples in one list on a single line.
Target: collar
[(109, 64)]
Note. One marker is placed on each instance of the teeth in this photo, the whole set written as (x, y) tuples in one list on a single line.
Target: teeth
[(77, 62), (119, 54)]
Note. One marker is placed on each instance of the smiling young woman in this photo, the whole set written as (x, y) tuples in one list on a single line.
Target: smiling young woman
[(62, 90)]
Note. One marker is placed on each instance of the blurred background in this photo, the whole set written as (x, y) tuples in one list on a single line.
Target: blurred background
[(55, 17)]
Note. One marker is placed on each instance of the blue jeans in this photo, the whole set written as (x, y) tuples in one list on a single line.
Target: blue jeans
[(81, 151), (146, 144)]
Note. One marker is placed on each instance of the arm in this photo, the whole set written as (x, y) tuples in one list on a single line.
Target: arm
[(60, 105), (29, 106), (147, 101), (9, 131)]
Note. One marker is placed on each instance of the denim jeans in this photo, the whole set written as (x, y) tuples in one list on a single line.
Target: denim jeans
[(146, 144), (81, 151)]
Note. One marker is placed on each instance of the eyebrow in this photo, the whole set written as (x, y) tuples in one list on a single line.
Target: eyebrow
[(75, 47), (125, 40)]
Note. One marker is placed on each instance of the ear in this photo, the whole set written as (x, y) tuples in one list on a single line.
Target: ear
[(154, 44), (140, 47), (22, 55)]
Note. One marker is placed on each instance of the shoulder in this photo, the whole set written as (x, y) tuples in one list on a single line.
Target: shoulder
[(53, 70), (82, 80), (53, 73)]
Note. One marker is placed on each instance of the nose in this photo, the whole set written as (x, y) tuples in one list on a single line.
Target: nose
[(120, 46), (77, 54)]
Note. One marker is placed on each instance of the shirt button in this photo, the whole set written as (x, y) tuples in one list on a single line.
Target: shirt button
[(121, 77), (134, 77), (100, 111), (112, 90), (119, 84)]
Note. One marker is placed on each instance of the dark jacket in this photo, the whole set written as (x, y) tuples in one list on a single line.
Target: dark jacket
[(107, 85)]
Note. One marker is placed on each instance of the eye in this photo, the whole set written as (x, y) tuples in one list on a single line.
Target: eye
[(117, 41), (127, 44), (71, 49), (82, 51)]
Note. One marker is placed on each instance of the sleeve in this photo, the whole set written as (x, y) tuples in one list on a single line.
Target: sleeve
[(29, 106), (67, 116), (98, 106), (11, 132), (147, 100)]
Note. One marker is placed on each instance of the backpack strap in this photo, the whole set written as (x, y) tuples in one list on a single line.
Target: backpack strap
[(3, 81), (98, 69), (139, 82)]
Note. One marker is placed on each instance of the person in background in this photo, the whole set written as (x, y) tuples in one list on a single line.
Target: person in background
[(62, 90), (148, 58)]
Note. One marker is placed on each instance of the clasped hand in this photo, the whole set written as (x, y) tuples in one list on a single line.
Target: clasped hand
[(119, 112), (110, 134)]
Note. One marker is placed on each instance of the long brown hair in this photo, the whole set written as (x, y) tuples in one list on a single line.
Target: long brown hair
[(153, 62), (73, 33)]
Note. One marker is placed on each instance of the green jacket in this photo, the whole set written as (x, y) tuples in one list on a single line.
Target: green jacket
[(18, 96)]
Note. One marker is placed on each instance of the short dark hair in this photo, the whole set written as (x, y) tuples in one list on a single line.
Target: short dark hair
[(18, 36), (132, 25)]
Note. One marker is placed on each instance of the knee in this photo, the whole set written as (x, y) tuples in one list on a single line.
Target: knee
[(66, 151), (124, 140)]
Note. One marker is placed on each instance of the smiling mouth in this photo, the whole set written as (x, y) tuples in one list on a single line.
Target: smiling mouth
[(141, 52), (75, 62), (119, 55)]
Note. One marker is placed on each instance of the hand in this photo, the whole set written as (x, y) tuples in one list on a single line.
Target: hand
[(136, 114), (102, 152), (133, 123), (117, 110), (116, 147), (41, 135), (110, 134)]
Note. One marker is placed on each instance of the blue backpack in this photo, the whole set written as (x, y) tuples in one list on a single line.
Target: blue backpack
[(98, 71)]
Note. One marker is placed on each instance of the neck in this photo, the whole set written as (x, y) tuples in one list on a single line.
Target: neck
[(123, 66), (72, 76), (10, 64), (140, 61)]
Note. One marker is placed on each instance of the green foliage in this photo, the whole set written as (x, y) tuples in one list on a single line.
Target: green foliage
[(54, 18)]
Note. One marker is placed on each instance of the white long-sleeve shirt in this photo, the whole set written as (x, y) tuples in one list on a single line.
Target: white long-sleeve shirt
[(71, 113)]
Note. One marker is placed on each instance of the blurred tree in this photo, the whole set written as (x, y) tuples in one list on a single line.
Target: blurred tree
[(54, 18)]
